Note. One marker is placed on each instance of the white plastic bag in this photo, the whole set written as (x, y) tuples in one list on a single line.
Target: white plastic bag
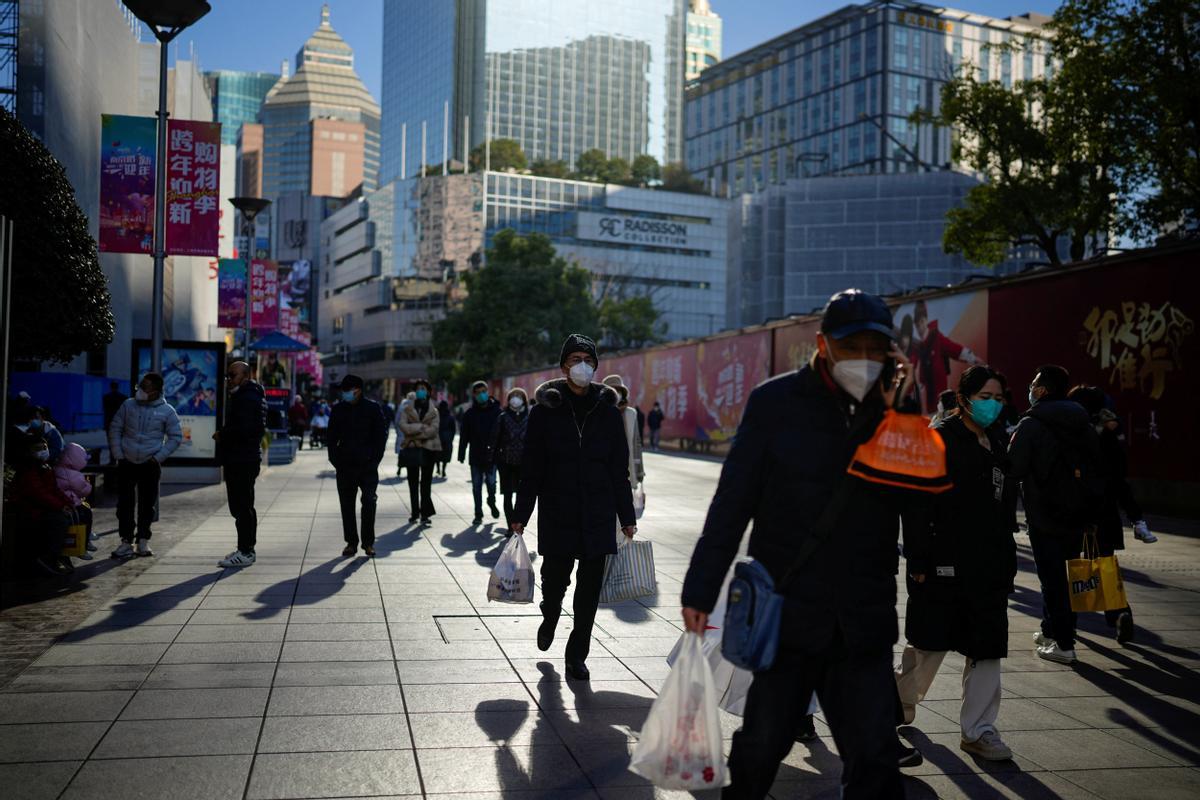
[(511, 580), (680, 745), (639, 500)]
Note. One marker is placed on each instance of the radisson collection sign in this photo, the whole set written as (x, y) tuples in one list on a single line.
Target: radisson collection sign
[(633, 230)]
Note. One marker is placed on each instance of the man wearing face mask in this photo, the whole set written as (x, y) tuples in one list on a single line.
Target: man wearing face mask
[(476, 433), (239, 449), (419, 424), (357, 440), (787, 465), (508, 448), (143, 434), (576, 471)]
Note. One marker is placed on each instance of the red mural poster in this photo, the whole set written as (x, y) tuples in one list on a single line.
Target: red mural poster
[(670, 376), (193, 181), (264, 295), (727, 369), (795, 344), (942, 336), (1129, 328)]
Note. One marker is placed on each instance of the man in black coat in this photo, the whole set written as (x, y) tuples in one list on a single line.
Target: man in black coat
[(576, 471), (1054, 427), (476, 433), (357, 439), (239, 449), (112, 402), (796, 439)]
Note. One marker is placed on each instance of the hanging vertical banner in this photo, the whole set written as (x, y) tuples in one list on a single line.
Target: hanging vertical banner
[(264, 295), (231, 293), (193, 184), (127, 183)]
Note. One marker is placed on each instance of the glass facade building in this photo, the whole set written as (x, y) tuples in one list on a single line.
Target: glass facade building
[(237, 98), (559, 78), (833, 97), (703, 39)]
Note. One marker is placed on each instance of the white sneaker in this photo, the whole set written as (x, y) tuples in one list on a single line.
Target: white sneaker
[(1052, 652), (124, 550), (143, 548), (989, 747), (1040, 639), (1141, 532), (237, 559)]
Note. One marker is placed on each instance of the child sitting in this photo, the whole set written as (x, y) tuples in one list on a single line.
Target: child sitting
[(43, 510), (68, 473)]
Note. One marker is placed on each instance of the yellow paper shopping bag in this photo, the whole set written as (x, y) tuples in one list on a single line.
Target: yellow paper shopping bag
[(1094, 581), (75, 542)]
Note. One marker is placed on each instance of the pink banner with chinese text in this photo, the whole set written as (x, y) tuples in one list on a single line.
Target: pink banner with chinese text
[(264, 295), (670, 378), (727, 369), (193, 181)]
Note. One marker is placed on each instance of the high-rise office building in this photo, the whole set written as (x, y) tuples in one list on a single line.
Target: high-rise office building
[(320, 125), (237, 98), (833, 97), (559, 78), (703, 38)]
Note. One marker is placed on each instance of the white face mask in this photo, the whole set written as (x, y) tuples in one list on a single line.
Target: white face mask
[(516, 404), (141, 396), (857, 376), (42, 455), (581, 374)]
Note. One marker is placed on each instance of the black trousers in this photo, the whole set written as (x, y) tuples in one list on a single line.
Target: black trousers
[(858, 695), (1050, 554), (138, 486), (351, 481), (239, 490), (510, 479), (420, 483), (556, 577)]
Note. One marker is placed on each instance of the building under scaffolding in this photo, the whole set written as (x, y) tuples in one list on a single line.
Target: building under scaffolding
[(9, 26)]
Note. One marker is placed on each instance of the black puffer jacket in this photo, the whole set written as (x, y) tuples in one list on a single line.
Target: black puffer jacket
[(245, 424), (790, 454), (508, 437), (357, 435), (970, 561), (1035, 448), (576, 474), (476, 432)]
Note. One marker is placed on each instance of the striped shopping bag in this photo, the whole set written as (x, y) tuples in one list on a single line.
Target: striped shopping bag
[(630, 573)]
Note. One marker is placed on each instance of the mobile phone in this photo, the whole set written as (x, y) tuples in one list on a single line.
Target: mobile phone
[(889, 372)]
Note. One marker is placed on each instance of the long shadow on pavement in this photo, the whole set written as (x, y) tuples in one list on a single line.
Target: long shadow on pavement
[(130, 612), (323, 581), (955, 765)]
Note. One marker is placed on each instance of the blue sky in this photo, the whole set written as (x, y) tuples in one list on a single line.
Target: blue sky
[(258, 34)]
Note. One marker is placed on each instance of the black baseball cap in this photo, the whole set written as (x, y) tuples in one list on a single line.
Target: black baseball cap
[(351, 382), (853, 311)]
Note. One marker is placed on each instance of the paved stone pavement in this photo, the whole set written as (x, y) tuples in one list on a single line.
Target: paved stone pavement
[(309, 675)]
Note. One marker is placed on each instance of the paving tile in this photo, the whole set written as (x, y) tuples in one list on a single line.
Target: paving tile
[(44, 781), (222, 653), (356, 732), (49, 741), (443, 651), (336, 673), (303, 616), (310, 700), (1087, 749), (62, 706), (1010, 785), (196, 703), (596, 694), (87, 678), (434, 698), (206, 778), (144, 634), (304, 775), (1178, 746), (210, 676), (1113, 712), (336, 632), (482, 728), (1119, 784), (78, 655), (376, 650), (468, 671), (180, 737), (229, 634), (543, 768)]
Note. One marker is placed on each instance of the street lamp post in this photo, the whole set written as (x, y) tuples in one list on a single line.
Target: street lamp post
[(249, 207), (166, 20)]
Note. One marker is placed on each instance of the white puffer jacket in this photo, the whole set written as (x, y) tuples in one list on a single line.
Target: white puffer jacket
[(142, 431)]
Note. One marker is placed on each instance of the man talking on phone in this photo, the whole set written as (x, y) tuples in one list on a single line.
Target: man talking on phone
[(785, 472)]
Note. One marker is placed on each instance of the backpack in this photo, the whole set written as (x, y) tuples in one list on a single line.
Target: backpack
[(1074, 489)]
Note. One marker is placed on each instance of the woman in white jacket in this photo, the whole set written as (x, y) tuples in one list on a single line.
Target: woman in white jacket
[(633, 438)]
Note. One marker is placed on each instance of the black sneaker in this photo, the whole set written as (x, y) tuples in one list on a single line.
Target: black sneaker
[(478, 520), (806, 730), (545, 636), (414, 519), (495, 511), (1125, 627), (577, 670), (910, 757), (426, 521)]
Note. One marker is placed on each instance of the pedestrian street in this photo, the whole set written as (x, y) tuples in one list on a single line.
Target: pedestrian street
[(310, 675)]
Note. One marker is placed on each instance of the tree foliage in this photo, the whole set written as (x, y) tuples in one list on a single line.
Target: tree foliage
[(631, 322), (1105, 145), (61, 305), (645, 170), (505, 154), (548, 168), (676, 178), (519, 308), (592, 165)]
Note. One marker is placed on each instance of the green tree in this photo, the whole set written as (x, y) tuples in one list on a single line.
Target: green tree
[(592, 165), (505, 154), (616, 171), (631, 322), (519, 308), (676, 178), (547, 168), (645, 169), (61, 304)]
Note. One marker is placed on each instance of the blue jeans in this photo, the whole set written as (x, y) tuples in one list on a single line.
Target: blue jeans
[(479, 474)]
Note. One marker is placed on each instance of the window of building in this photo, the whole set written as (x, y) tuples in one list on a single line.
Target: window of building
[(339, 324)]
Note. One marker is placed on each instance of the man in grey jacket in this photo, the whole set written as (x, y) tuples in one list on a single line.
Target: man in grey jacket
[(143, 434)]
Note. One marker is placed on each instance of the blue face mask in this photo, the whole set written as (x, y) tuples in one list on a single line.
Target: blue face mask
[(482, 397), (422, 394), (348, 396), (985, 412)]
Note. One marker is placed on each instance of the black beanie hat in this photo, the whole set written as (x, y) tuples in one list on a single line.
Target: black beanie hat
[(577, 343)]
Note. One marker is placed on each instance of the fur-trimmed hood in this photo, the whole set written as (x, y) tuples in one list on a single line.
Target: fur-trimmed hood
[(551, 393)]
